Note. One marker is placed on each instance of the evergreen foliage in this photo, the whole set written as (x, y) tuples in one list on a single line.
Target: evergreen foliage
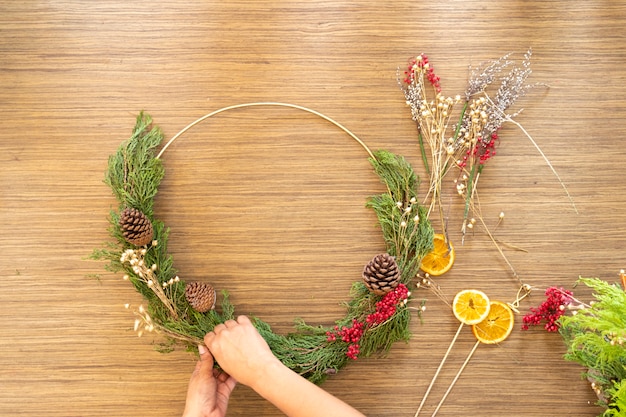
[(134, 174), (397, 210), (596, 339)]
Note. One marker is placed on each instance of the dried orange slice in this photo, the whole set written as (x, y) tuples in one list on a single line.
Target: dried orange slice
[(497, 326), (440, 259), (470, 306)]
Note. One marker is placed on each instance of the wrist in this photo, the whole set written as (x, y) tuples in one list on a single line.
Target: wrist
[(272, 371)]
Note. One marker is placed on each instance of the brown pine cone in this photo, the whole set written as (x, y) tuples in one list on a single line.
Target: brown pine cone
[(200, 295), (381, 274), (136, 227)]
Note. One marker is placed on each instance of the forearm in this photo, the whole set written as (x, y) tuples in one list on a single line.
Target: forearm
[(297, 397)]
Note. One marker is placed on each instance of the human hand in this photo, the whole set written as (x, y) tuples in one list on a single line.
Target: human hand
[(240, 350), (209, 389)]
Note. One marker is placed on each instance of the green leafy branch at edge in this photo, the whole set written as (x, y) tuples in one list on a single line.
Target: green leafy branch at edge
[(407, 239), (134, 175), (594, 338)]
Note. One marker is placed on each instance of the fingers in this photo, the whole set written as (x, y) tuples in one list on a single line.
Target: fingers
[(222, 376), (229, 324), (229, 382), (230, 333)]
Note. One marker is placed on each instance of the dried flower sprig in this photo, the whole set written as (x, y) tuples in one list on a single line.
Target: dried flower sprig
[(481, 119), (432, 116), (425, 281), (485, 74), (145, 323), (135, 259)]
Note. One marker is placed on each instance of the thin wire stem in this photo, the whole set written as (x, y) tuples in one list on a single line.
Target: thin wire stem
[(432, 382), (500, 251), (264, 103), (458, 374)]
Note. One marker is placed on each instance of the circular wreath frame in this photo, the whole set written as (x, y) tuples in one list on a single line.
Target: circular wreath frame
[(372, 322)]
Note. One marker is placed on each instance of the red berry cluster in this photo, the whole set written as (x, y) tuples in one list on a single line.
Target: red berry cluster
[(422, 62), (550, 310), (487, 150), (386, 307), (351, 335), (353, 351)]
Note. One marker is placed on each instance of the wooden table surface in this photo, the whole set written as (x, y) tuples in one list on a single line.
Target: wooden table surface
[(268, 202)]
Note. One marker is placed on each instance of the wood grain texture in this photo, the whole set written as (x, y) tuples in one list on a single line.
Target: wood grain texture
[(269, 202)]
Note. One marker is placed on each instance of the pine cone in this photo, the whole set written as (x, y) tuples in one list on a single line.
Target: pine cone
[(136, 227), (201, 296), (381, 274)]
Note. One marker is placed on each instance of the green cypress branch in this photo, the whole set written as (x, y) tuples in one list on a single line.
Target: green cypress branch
[(596, 339)]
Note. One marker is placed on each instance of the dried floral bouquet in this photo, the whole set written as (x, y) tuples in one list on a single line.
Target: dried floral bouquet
[(463, 141)]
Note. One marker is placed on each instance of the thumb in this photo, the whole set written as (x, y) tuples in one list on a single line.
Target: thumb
[(202, 350), (205, 364), (205, 355)]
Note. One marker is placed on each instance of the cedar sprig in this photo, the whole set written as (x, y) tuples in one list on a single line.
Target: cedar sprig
[(134, 174), (404, 222), (306, 351), (617, 404), (596, 339), (381, 337)]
